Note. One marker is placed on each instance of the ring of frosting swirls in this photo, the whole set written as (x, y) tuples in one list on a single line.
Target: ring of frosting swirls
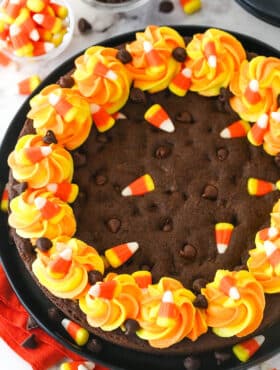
[(36, 213), (152, 66), (63, 111), (66, 278), (38, 164), (102, 78), (235, 303), (272, 136), (256, 87), (213, 58)]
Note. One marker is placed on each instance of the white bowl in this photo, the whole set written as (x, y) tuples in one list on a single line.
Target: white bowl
[(121, 7)]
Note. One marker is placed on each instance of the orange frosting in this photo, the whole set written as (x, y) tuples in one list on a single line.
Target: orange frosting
[(256, 87), (102, 78), (154, 69), (229, 314), (64, 112), (38, 164), (30, 221), (213, 58), (272, 137)]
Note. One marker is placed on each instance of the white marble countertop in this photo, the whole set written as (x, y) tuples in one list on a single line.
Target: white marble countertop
[(216, 13)]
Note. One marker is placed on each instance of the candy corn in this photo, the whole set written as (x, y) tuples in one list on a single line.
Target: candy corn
[(37, 153), (28, 85), (227, 286), (259, 187), (251, 93), (158, 117), (236, 129), (47, 208), (181, 82), (210, 54), (26, 23), (59, 266), (119, 254), (77, 365), (62, 107), (168, 311), (76, 332), (140, 186), (102, 120), (37, 5), (6, 61), (4, 200), (119, 115), (65, 191), (102, 71), (190, 6), (269, 233), (104, 289), (153, 58), (272, 252), (245, 350), (12, 8), (60, 10), (47, 21), (21, 43), (223, 232), (143, 278), (256, 133), (42, 47)]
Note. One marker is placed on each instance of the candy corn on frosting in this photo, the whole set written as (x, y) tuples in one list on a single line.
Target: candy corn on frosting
[(144, 192)]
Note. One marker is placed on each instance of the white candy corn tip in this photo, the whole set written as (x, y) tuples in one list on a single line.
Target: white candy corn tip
[(111, 75), (52, 188), (49, 46), (212, 61), (40, 202), (269, 247), (94, 291), (187, 72), (262, 121), (14, 30), (94, 108), (46, 150), (234, 293), (225, 133), (83, 367), (259, 339), (147, 46), (53, 99), (167, 126), (276, 116), (272, 232), (34, 35), (90, 365), (126, 192), (65, 322), (66, 254), (38, 18), (167, 297), (254, 85), (132, 246), (221, 247)]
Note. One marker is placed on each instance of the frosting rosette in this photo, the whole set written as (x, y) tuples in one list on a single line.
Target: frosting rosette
[(168, 315), (256, 87), (109, 303), (39, 164), (153, 67), (235, 303), (272, 136), (102, 78), (36, 214), (213, 58), (63, 269), (63, 111)]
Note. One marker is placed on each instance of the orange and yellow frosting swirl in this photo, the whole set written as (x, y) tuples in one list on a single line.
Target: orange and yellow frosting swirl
[(235, 303), (63, 111), (272, 137), (213, 58), (66, 278), (256, 87), (152, 66), (39, 164), (36, 214), (102, 78)]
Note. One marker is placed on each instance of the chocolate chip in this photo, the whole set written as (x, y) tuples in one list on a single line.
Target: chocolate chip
[(198, 284), (184, 117), (84, 26), (79, 159), (166, 6), (167, 225), (100, 180), (113, 225), (44, 244), (94, 345), (200, 301), (192, 363), (102, 138), (124, 56), (222, 154), (222, 357), (188, 252), (30, 342), (94, 276), (20, 188), (55, 315), (50, 138), (210, 192), (66, 82), (131, 326), (179, 54), (31, 323), (137, 95), (277, 160), (162, 152)]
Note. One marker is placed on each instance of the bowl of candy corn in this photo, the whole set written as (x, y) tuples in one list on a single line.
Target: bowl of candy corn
[(35, 30), (116, 5)]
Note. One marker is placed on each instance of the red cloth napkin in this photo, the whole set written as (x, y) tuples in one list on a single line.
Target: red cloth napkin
[(13, 319)]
